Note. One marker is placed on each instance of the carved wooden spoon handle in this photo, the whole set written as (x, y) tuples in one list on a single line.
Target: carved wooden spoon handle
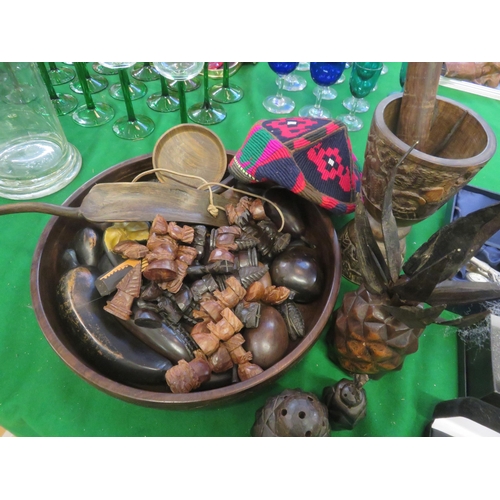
[(45, 208)]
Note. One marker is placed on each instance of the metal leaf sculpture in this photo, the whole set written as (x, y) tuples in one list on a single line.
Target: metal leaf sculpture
[(372, 265), (464, 236), (389, 225), (415, 317), (454, 292)]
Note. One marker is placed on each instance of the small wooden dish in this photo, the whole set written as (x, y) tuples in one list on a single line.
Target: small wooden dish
[(190, 149)]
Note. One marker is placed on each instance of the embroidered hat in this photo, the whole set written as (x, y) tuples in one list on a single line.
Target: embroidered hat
[(310, 157)]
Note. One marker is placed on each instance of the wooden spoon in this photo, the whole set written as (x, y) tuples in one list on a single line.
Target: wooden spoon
[(136, 201)]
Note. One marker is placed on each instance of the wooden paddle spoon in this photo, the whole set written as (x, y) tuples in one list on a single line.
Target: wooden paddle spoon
[(136, 201)]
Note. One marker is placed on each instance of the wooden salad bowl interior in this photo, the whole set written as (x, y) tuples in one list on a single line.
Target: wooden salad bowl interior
[(47, 270)]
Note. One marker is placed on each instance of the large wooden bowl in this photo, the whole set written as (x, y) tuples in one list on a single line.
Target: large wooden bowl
[(47, 270)]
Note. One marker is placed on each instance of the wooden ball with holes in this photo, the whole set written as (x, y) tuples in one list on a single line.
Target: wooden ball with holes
[(293, 413)]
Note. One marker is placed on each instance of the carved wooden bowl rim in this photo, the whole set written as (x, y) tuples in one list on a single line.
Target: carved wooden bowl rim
[(168, 400), (436, 161)]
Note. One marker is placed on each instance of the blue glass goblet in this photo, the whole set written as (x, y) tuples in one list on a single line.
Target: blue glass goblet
[(323, 74), (279, 104)]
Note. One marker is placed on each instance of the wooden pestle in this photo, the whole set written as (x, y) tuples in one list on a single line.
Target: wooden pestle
[(418, 104)]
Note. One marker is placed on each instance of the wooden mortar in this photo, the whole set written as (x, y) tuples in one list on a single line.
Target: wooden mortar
[(461, 142), (454, 144)]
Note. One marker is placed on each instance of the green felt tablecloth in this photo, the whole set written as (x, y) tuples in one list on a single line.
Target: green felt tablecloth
[(41, 396)]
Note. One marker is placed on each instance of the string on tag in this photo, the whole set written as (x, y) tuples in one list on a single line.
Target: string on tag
[(212, 209)]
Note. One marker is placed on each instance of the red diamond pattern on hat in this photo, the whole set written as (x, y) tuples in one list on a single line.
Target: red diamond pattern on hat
[(328, 161), (288, 128)]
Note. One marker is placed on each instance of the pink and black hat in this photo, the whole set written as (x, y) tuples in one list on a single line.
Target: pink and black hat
[(308, 156)]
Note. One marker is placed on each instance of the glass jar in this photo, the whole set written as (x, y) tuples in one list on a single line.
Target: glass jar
[(35, 157)]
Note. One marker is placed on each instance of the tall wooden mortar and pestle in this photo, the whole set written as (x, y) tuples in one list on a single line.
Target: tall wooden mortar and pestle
[(454, 143)]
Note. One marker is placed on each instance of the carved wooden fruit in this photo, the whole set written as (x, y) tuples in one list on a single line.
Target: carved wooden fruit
[(297, 269), (367, 339), (269, 341), (97, 337)]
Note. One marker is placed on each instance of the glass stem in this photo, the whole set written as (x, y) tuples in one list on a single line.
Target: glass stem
[(46, 80), (206, 98), (352, 113), (80, 71), (225, 75), (125, 83), (87, 74), (319, 97), (182, 101), (281, 81), (164, 86), (52, 66)]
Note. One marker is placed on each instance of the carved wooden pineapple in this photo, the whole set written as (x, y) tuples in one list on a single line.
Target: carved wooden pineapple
[(379, 324)]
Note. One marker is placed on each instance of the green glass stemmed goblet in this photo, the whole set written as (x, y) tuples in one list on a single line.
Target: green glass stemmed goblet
[(131, 127), (364, 77), (163, 101), (206, 112), (59, 76), (90, 114), (102, 70), (225, 93), (95, 83), (135, 89), (64, 103), (144, 72), (179, 73), (362, 105)]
